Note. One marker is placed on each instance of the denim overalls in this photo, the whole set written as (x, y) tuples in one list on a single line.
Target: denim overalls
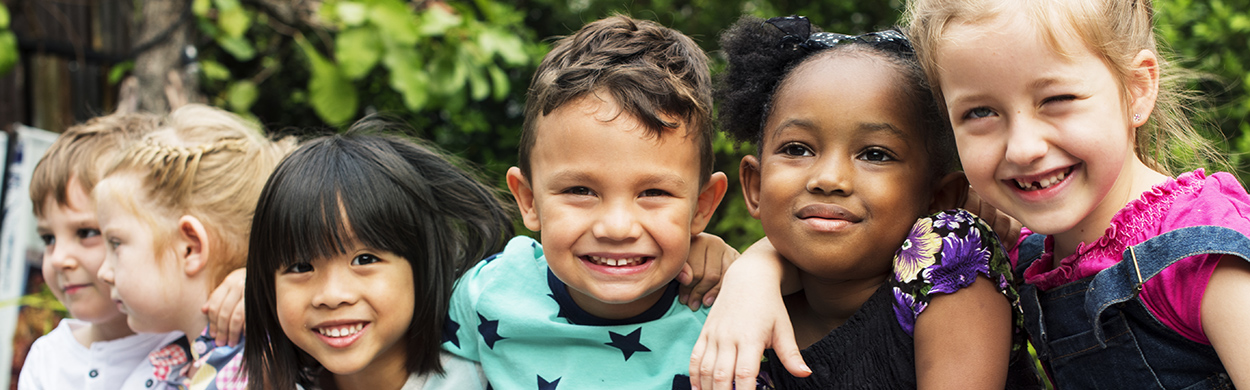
[(1127, 348)]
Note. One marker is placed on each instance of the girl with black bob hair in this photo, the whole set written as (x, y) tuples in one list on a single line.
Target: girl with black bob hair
[(356, 243), (855, 185)]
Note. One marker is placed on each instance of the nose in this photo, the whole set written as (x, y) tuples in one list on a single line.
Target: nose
[(105, 272), (617, 222), (61, 256), (1026, 143), (830, 175), (338, 288)]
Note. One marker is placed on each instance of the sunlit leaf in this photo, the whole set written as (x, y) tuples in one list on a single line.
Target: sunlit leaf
[(238, 47), (242, 95), (117, 71), (8, 51), (357, 51), (234, 22), (332, 95), (214, 70), (201, 7), (499, 80), (407, 76), (508, 46), (436, 20), (395, 21), (479, 88), (352, 14)]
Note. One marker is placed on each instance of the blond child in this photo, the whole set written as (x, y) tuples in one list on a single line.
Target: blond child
[(175, 212)]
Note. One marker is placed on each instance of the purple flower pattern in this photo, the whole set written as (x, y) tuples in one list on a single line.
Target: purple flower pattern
[(917, 251)]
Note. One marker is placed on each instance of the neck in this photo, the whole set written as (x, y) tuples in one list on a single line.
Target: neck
[(112, 329), (1135, 179), (827, 304), (616, 311), (382, 374)]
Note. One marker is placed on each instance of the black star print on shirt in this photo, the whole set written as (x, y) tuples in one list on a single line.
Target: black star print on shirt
[(544, 385), (489, 331), (628, 344)]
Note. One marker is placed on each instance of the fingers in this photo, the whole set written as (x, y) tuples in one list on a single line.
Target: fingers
[(717, 369), (699, 295), (696, 361), (747, 366), (684, 286), (225, 308), (788, 350)]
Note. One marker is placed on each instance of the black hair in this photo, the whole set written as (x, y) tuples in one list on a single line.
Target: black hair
[(381, 191), (761, 56)]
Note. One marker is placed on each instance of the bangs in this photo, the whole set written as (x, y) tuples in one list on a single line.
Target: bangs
[(329, 195)]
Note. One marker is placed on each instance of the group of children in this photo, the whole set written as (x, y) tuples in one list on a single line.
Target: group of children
[(373, 261)]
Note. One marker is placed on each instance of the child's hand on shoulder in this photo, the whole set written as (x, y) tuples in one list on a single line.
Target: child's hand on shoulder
[(225, 309), (700, 278), (749, 318)]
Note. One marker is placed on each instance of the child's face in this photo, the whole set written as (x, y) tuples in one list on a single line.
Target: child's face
[(351, 311), (1042, 136), (616, 207), (73, 254), (145, 283), (843, 172)]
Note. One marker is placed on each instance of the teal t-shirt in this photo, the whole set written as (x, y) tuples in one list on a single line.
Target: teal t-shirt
[(513, 315)]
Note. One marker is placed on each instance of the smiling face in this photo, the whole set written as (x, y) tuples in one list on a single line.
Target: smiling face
[(74, 252), (842, 173), (1044, 137), (350, 312), (615, 205)]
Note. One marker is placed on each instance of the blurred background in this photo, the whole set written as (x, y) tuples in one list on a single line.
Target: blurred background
[(456, 71)]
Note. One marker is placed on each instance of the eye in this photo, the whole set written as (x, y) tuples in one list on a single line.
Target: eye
[(299, 268), (48, 239), (114, 243), (876, 155), (1059, 98), (654, 192), (86, 233), (796, 150), (365, 259), (582, 191), (979, 112)]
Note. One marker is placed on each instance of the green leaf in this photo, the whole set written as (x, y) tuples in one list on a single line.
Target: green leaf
[(238, 47), (446, 75), (500, 81), (117, 71), (357, 51), (352, 14), (396, 21), (437, 20), (407, 76), (234, 21), (242, 95), (509, 46), (213, 70), (479, 88), (201, 7), (332, 95), (4, 16), (8, 51)]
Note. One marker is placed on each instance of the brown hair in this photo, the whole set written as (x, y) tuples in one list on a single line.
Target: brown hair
[(649, 69), (206, 163), (82, 152), (1115, 30)]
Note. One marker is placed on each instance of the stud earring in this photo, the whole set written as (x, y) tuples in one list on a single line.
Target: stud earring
[(1136, 117)]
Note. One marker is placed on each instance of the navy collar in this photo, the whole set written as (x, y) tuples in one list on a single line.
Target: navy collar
[(575, 315)]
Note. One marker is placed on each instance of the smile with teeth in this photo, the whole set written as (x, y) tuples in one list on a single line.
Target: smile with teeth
[(616, 262), (340, 331), (1043, 183)]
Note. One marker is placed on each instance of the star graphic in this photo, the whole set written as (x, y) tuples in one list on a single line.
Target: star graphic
[(561, 313), (489, 331), (544, 385), (628, 344), (681, 382), (449, 332)]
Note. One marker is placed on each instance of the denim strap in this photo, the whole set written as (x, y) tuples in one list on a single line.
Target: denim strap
[(1122, 281)]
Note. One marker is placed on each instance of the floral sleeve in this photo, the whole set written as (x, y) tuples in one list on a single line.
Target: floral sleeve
[(943, 253)]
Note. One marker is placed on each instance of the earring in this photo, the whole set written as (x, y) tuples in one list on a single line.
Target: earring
[(1136, 117)]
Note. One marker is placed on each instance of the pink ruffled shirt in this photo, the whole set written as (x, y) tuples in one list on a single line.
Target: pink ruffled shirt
[(1175, 295)]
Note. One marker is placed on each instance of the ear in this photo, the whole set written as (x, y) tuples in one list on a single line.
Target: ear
[(1143, 87), (524, 194), (749, 175), (709, 198), (951, 192), (193, 248)]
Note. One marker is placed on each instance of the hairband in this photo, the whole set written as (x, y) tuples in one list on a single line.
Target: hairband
[(799, 34)]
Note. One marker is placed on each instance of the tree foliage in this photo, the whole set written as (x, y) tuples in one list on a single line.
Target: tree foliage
[(8, 42)]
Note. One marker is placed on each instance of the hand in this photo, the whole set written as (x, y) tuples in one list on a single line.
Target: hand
[(225, 308), (1007, 228), (700, 277), (749, 317)]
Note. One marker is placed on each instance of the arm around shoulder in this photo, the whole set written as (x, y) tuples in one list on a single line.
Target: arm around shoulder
[(963, 339)]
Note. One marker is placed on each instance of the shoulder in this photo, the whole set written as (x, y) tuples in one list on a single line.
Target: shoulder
[(458, 373), (1218, 200)]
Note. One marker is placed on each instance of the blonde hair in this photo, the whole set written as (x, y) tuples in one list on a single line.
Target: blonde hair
[(82, 152), (206, 163), (1116, 31)]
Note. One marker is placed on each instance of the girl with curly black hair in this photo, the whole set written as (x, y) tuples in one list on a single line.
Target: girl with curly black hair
[(854, 183)]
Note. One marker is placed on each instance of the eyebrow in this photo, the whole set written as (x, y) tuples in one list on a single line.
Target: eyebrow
[(647, 181), (882, 127)]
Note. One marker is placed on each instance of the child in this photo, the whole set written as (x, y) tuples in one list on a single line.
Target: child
[(175, 212), (615, 174), (1051, 104), (851, 152), (95, 348), (355, 246)]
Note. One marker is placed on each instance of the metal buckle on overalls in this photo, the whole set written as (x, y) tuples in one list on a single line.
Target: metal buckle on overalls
[(1136, 286)]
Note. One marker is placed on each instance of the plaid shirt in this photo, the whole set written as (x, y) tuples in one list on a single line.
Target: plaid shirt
[(217, 368)]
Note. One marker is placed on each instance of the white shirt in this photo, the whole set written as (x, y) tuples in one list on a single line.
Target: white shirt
[(58, 361), (458, 374)]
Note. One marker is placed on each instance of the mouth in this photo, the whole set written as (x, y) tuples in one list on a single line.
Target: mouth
[(617, 262), (1041, 182), (340, 331), (73, 288)]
